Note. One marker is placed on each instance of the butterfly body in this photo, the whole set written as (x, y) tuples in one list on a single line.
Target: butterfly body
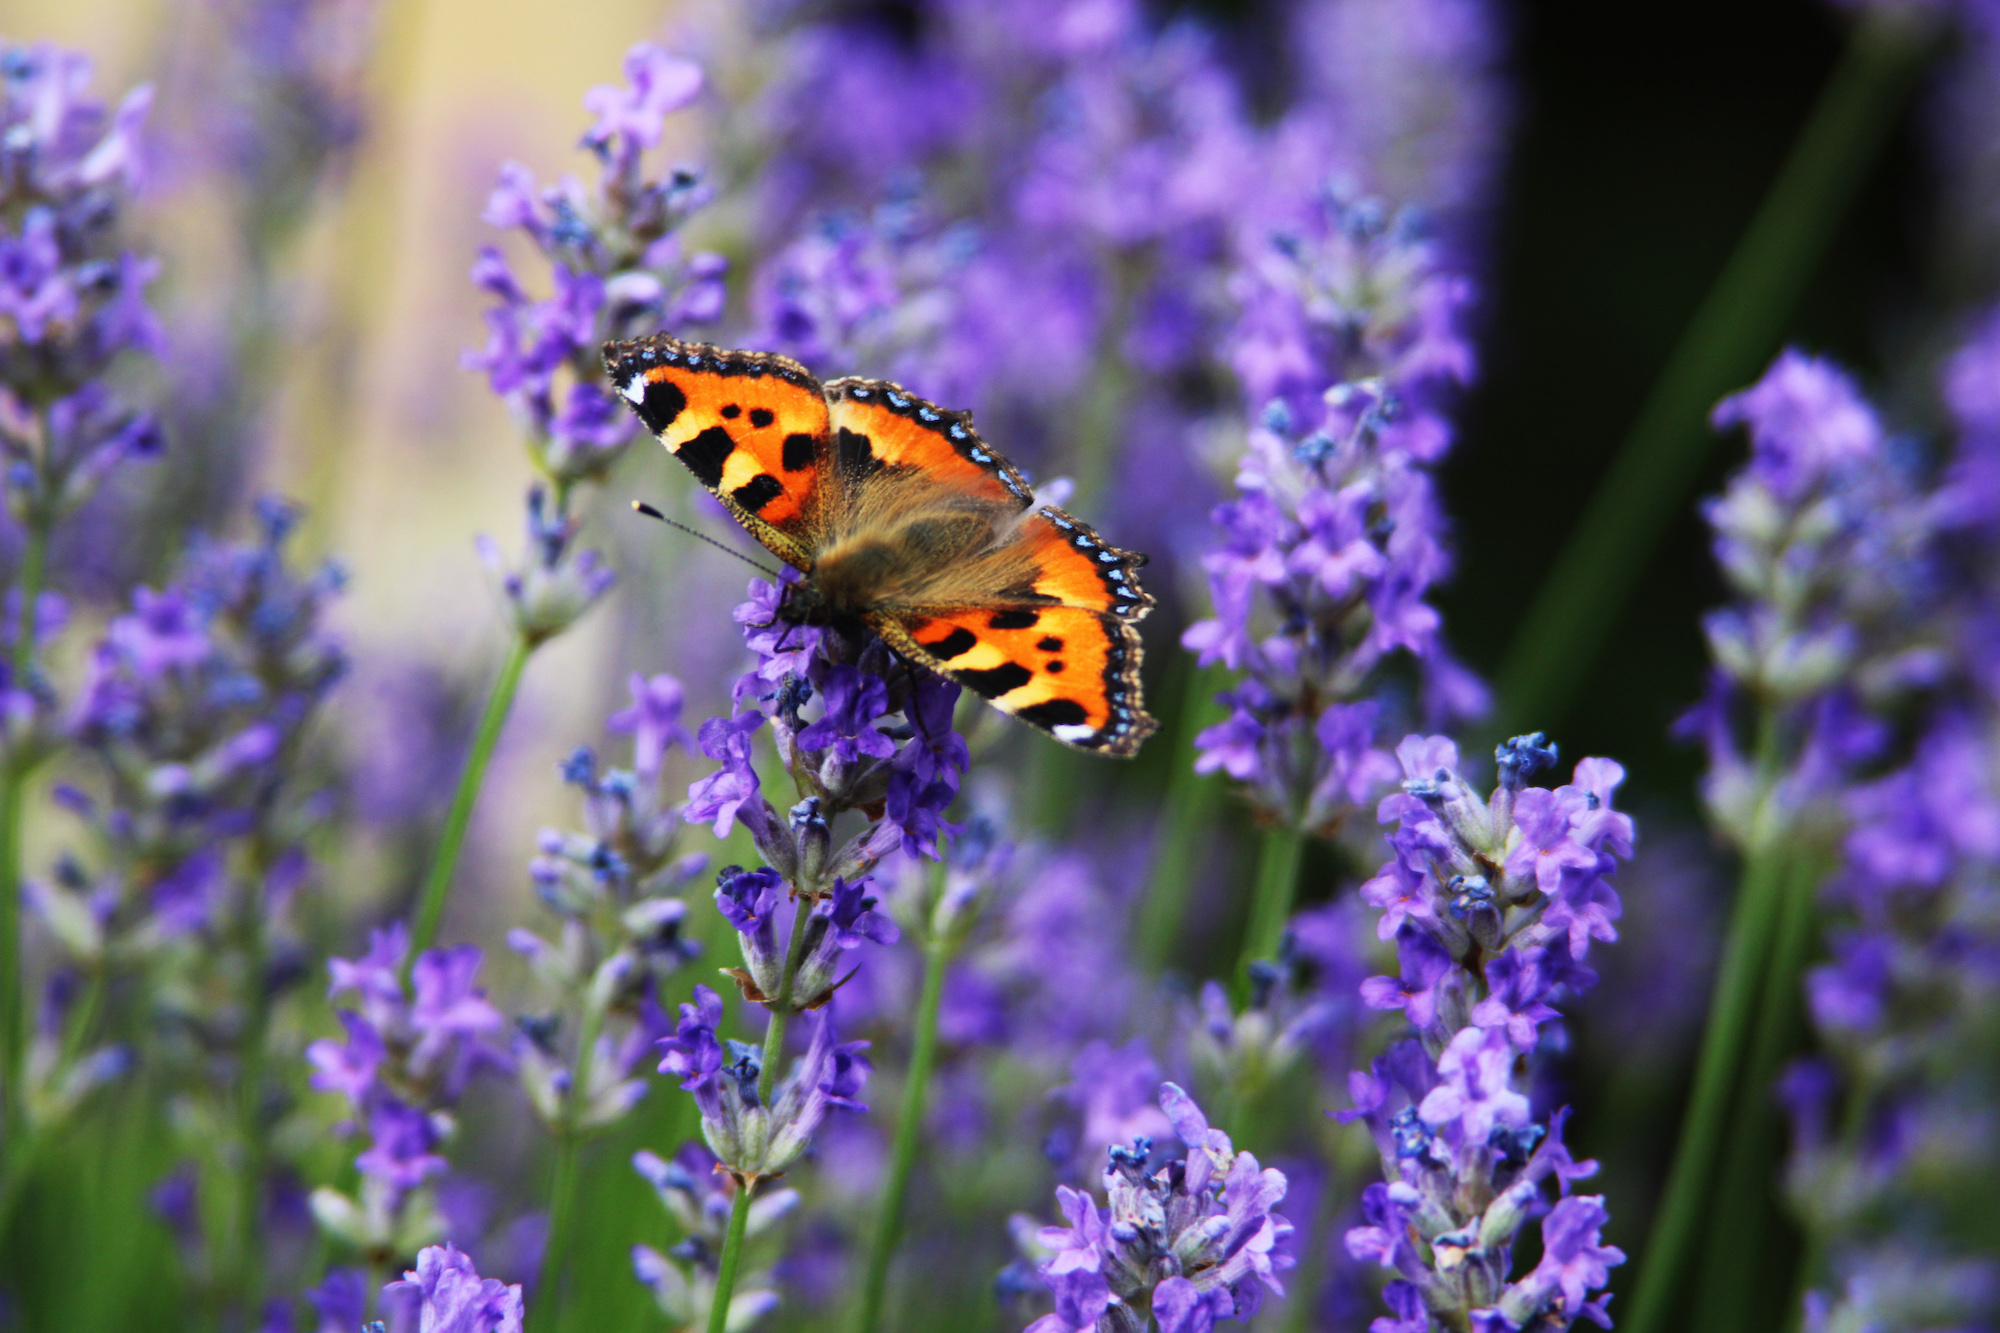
[(903, 521)]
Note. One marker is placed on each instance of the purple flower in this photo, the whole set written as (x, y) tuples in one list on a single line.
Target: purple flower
[(1116, 1088), (660, 83), (616, 269), (1517, 883), (653, 720), (1312, 592), (1213, 1211), (926, 772), (1517, 983), (733, 793), (450, 1297), (402, 1154), (348, 1068), (749, 900), (1806, 422), (1475, 1087), (72, 298), (1575, 1262), (852, 703)]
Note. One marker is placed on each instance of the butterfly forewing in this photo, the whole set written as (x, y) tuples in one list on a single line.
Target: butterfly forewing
[(751, 427), (876, 426)]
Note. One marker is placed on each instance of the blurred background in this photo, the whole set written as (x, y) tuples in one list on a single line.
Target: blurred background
[(1618, 154)]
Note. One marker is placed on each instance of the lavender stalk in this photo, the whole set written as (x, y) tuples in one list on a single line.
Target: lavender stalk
[(1493, 905), (72, 302), (617, 268), (1822, 541)]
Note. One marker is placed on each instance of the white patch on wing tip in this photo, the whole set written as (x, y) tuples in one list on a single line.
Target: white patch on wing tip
[(1074, 733), (635, 389)]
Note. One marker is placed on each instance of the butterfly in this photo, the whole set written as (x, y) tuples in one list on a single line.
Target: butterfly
[(904, 521)]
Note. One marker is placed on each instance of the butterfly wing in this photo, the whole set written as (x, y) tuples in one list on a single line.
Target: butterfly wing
[(877, 428), (1068, 670), (751, 426)]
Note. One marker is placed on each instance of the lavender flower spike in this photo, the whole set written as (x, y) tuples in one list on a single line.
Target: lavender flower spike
[(698, 1197), (1184, 1244), (1515, 884), (750, 1139), (445, 1294)]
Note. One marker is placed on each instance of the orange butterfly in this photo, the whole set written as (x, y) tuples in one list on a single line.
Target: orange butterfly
[(903, 520)]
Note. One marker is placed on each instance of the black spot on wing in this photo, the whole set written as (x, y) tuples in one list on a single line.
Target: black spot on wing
[(1018, 619), (1056, 667), (799, 450), (995, 681), (757, 492), (1050, 644), (761, 417), (706, 453), (856, 453), (731, 412), (1052, 713), (960, 640), (661, 404)]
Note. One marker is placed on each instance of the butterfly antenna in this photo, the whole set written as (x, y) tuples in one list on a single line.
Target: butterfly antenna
[(642, 507)]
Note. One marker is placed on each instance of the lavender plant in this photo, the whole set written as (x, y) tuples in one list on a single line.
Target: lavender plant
[(1493, 905), (1181, 1246), (1885, 1147), (617, 267), (73, 298), (901, 780), (1830, 552), (614, 888), (410, 1049), (1348, 343), (196, 711), (1125, 240)]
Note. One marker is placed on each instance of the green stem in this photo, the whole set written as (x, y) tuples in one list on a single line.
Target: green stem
[(1277, 881), (13, 782), (1669, 1247), (725, 1268), (1184, 824), (909, 1131), (250, 1107), (1747, 1211), (437, 882), (1736, 327), (562, 1187), (767, 1079)]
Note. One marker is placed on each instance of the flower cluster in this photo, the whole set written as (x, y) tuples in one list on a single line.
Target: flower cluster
[(1493, 905), (1182, 1244), (72, 298), (613, 888), (1887, 1152), (887, 295), (1347, 343), (697, 1197), (617, 268), (1830, 554), (410, 1049), (195, 709), (445, 1294), (1301, 1005), (754, 1141), (841, 760)]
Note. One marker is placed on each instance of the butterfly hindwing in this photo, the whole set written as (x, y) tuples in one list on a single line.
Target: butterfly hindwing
[(751, 426), (1071, 671), (875, 425)]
